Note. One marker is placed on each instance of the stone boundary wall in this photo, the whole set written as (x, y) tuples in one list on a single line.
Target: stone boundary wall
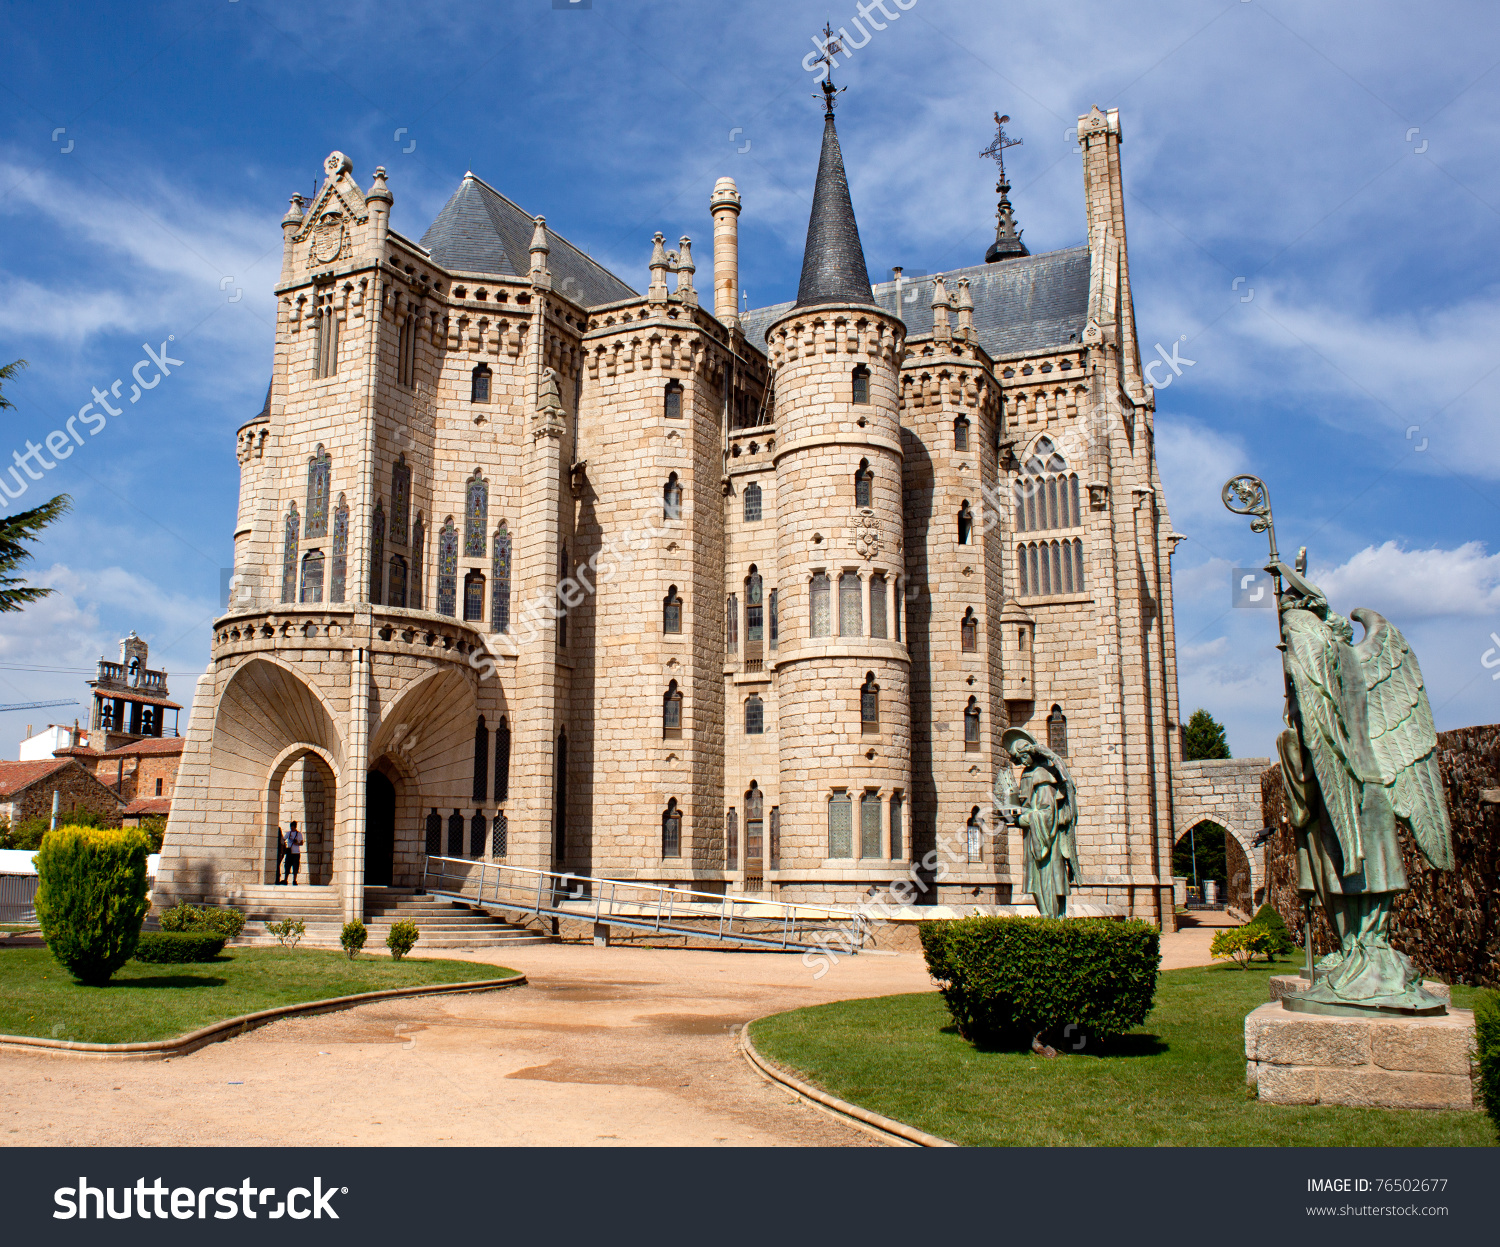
[(1227, 792), (1449, 922)]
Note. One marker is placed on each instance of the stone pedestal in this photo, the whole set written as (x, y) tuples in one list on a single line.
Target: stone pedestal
[(1306, 1058), (1286, 984)]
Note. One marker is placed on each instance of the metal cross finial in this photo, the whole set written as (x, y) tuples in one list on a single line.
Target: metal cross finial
[(831, 48), (996, 150)]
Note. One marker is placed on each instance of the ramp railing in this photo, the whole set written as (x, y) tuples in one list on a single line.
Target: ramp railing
[(786, 925)]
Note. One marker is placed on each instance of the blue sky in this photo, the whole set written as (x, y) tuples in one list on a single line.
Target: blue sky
[(1338, 158)]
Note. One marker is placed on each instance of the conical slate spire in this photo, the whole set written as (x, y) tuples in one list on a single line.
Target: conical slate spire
[(833, 264)]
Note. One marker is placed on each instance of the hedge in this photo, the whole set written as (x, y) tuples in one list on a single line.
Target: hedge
[(91, 897), (178, 946), (1487, 1028), (186, 917), (1007, 980)]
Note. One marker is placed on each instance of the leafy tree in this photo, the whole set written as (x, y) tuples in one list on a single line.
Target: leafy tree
[(1204, 738), (19, 529)]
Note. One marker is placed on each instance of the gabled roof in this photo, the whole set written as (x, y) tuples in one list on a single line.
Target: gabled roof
[(479, 230), (14, 776), (1024, 306), (143, 806), (151, 744), (833, 262), (145, 699)]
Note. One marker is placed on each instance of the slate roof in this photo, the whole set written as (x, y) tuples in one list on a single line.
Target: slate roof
[(479, 230), (833, 262), (1021, 307)]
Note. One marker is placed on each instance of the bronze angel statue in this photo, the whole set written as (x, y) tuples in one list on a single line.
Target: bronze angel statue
[(1358, 757), (1045, 807)]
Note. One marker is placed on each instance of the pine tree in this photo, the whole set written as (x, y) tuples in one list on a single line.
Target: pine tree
[(1204, 738), (19, 529)]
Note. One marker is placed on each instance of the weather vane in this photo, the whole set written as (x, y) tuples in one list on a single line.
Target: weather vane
[(996, 150), (831, 48)]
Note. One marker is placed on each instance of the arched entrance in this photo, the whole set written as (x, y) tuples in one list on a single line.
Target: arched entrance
[(380, 830)]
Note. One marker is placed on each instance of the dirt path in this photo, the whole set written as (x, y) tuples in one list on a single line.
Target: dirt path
[(604, 1047)]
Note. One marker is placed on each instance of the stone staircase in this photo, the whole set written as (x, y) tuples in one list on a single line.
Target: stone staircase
[(443, 924)]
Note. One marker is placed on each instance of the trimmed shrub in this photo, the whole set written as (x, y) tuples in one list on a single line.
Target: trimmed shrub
[(186, 917), (1279, 940), (288, 931), (353, 937), (1487, 1028), (155, 827), (403, 935), (178, 946), (1007, 980), (1241, 943), (91, 897)]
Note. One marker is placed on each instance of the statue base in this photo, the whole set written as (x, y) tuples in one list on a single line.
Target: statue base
[(1284, 985), (1373, 1061), (1320, 996)]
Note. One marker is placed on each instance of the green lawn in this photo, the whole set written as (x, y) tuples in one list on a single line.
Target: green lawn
[(39, 997), (1177, 1080)]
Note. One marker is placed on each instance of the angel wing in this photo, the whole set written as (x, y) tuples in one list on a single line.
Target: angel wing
[(1328, 681), (1402, 736)]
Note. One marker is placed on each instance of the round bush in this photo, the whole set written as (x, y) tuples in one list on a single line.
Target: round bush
[(1006, 980), (403, 935), (178, 946), (353, 937), (91, 897), (187, 917)]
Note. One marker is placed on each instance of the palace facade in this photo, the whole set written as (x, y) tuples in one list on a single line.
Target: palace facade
[(534, 568)]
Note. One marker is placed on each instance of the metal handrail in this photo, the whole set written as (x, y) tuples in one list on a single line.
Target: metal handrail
[(681, 904)]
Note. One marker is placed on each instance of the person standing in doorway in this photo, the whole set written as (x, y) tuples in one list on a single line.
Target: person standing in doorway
[(294, 840)]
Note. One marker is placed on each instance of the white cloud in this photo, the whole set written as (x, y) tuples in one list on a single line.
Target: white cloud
[(1415, 584)]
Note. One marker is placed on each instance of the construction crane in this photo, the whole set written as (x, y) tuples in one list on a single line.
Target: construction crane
[(37, 705)]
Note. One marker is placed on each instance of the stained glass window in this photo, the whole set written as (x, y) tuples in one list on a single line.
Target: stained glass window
[(671, 830), (869, 824), (400, 501), (289, 554), (755, 628), (752, 503), (473, 597), (861, 384), (775, 620), (318, 468), (377, 552), (414, 587), (877, 605), (840, 825), (1057, 732), (396, 584), (447, 589), (481, 760), (312, 577), (821, 609), (502, 761), (340, 570), (896, 836), (671, 611), (731, 839), (851, 611), (500, 590), (476, 516)]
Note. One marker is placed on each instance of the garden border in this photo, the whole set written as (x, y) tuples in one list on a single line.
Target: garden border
[(896, 1133), (229, 1028)]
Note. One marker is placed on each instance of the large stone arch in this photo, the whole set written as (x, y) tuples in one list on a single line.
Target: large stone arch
[(1225, 792)]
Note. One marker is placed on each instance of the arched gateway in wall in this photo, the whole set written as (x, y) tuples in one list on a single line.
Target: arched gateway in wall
[(1226, 792)]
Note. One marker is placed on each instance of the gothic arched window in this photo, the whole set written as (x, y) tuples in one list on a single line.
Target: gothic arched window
[(671, 498), (1046, 492), (755, 715), (1057, 732), (434, 834), (840, 825), (861, 385), (1045, 567), (774, 613), (965, 524), (479, 832), (395, 584), (377, 552), (415, 593), (312, 577), (447, 590), (456, 834), (851, 609), (291, 537), (476, 515), (671, 712), (671, 830), (821, 614), (879, 591), (481, 760), (961, 433), (732, 622), (502, 834), (895, 820), (755, 611), (339, 573), (971, 724), (502, 760), (869, 824), (671, 611), (752, 503), (474, 597), (968, 632), (319, 468), (400, 501), (974, 836), (500, 578), (673, 401), (862, 480), (479, 384), (869, 702), (326, 343), (755, 823)]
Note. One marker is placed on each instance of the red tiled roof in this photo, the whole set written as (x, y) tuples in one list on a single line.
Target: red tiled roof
[(151, 744), (15, 776), (144, 698), (74, 751), (147, 805)]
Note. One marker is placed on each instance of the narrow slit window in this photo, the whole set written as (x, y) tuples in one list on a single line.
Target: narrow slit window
[(861, 387), (671, 830), (862, 480), (869, 702), (971, 725), (968, 631), (965, 524), (673, 406), (672, 498), (897, 839), (821, 613), (752, 503), (671, 612), (732, 622), (755, 715), (479, 384), (879, 591), (671, 713), (961, 433)]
